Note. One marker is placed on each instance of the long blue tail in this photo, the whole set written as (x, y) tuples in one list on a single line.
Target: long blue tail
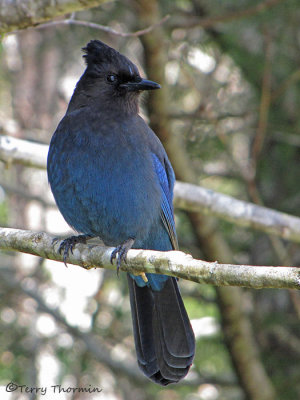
[(164, 339)]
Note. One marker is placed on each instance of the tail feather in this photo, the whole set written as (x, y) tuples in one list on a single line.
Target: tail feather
[(169, 373), (141, 310), (164, 339), (174, 323)]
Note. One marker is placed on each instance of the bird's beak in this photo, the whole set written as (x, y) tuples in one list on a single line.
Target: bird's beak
[(143, 84)]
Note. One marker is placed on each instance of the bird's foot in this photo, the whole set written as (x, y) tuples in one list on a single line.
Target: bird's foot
[(68, 244), (120, 253)]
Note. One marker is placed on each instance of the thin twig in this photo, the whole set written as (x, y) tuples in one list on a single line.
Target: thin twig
[(104, 28)]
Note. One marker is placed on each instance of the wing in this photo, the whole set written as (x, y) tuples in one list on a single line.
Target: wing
[(166, 179)]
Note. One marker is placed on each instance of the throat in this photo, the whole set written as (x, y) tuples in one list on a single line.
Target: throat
[(130, 104)]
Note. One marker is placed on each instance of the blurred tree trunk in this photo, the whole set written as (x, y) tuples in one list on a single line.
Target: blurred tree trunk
[(236, 326)]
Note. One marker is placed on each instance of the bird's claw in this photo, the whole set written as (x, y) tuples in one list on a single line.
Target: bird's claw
[(67, 245), (120, 253)]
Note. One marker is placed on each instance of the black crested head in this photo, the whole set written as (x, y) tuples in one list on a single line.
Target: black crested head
[(110, 80), (99, 54), (96, 51)]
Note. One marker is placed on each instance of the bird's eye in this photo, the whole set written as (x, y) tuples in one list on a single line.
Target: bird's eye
[(111, 78)]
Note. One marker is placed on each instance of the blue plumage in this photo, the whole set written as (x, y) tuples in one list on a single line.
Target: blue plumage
[(111, 178)]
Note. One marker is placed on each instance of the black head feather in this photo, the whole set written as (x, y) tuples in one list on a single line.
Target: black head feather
[(99, 54)]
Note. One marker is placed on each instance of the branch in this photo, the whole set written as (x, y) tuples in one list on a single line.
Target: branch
[(195, 198), (23, 152), (23, 14), (107, 29), (187, 196), (173, 263)]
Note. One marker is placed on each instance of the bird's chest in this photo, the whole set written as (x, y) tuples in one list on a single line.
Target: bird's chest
[(107, 186)]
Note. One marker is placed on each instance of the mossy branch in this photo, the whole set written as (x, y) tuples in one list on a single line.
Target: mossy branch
[(15, 15), (174, 263)]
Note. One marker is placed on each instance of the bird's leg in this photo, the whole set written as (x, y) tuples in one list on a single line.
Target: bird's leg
[(69, 243), (120, 252)]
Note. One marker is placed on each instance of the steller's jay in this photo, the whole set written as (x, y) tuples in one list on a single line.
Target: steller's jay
[(111, 178)]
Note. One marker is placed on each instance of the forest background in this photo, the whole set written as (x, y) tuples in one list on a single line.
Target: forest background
[(228, 116)]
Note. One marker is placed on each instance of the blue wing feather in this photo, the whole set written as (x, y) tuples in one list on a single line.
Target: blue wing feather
[(166, 178)]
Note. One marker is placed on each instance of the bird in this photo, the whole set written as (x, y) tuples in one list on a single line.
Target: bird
[(111, 178)]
